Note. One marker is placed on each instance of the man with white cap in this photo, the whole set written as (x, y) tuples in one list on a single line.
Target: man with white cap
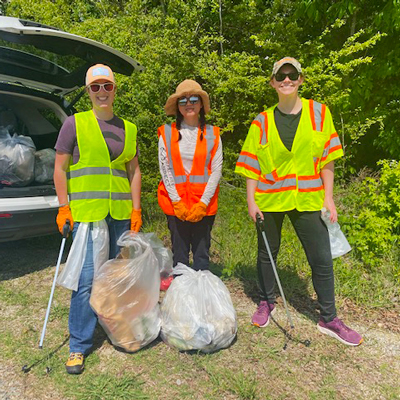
[(288, 161), (97, 176)]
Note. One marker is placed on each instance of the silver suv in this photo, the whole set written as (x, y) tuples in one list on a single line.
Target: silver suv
[(39, 65)]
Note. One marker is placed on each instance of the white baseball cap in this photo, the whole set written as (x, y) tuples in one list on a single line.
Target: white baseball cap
[(286, 60)]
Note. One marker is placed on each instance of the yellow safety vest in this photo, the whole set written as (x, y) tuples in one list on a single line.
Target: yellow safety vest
[(98, 186), (290, 180)]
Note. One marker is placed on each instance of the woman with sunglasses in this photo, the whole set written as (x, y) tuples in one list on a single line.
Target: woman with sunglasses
[(190, 159), (288, 161), (97, 177)]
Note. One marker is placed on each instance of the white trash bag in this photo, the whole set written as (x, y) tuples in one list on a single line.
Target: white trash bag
[(44, 165), (69, 276), (197, 312), (339, 243), (17, 159), (125, 294)]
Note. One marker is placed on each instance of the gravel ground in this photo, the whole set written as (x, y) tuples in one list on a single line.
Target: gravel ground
[(11, 386)]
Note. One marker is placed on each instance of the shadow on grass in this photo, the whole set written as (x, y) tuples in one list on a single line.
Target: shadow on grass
[(27, 368), (294, 287), (21, 257)]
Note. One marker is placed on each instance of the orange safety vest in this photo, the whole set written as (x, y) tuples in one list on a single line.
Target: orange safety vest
[(189, 187)]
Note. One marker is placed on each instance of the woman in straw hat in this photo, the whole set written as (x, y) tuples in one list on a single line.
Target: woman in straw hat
[(190, 159)]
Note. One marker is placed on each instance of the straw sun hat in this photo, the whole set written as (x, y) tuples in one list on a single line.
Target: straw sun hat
[(187, 87)]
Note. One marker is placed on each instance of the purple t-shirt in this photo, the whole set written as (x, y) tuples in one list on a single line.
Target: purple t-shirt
[(113, 132)]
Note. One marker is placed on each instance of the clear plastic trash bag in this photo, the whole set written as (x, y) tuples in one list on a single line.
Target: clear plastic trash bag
[(197, 312), (339, 243), (125, 294), (44, 165), (164, 255), (17, 159), (69, 276)]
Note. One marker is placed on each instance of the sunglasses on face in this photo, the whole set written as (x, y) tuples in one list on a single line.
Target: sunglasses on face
[(192, 100), (95, 87), (293, 76)]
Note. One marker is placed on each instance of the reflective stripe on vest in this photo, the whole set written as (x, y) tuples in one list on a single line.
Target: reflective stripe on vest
[(317, 113), (96, 171), (249, 161), (210, 140), (262, 122), (168, 138), (98, 186), (334, 144)]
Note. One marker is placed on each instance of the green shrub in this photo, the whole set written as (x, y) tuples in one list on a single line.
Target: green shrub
[(371, 220)]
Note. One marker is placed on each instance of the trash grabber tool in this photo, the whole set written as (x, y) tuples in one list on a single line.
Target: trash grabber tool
[(66, 230), (260, 226)]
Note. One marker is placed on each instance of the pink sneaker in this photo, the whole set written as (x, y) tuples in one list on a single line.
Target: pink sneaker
[(262, 316), (338, 330)]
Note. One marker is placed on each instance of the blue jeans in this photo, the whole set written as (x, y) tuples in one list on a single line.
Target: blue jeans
[(82, 319)]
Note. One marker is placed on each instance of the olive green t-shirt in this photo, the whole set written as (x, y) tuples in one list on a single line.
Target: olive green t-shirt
[(287, 125)]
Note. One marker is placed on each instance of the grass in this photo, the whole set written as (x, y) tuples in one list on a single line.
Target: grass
[(254, 367)]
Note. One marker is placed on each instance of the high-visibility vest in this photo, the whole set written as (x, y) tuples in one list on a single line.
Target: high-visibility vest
[(98, 186), (190, 187), (290, 180)]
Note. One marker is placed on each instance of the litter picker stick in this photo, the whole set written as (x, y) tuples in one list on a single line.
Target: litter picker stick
[(66, 229), (260, 225)]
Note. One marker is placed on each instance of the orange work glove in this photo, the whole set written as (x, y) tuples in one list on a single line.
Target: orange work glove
[(64, 214), (197, 212), (180, 209), (136, 220)]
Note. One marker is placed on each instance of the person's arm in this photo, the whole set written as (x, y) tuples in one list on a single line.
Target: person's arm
[(60, 176), (135, 179), (327, 176), (251, 185), (60, 182), (215, 176), (166, 173)]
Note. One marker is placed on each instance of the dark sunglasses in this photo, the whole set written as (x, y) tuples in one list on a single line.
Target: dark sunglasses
[(293, 76), (95, 87), (192, 100)]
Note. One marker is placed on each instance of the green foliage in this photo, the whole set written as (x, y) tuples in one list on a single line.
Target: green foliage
[(372, 225), (346, 60)]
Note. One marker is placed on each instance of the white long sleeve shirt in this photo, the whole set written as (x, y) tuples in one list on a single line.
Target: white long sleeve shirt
[(187, 148)]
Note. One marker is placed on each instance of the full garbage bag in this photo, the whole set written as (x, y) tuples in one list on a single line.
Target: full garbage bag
[(44, 165), (197, 312), (17, 159), (339, 244), (125, 294)]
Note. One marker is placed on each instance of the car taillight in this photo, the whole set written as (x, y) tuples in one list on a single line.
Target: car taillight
[(6, 215)]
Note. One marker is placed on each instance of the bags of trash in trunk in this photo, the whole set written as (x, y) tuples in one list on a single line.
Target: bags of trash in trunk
[(44, 165), (197, 312), (125, 294), (17, 159)]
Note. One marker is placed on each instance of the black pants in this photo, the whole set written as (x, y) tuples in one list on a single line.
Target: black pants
[(314, 237), (195, 236)]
